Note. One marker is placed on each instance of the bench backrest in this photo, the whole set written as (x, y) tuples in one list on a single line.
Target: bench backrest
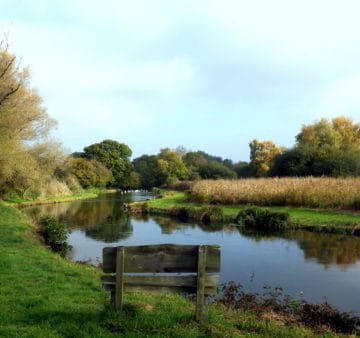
[(152, 268)]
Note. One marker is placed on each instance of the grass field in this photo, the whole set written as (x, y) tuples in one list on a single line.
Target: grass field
[(306, 218), (43, 295), (307, 192)]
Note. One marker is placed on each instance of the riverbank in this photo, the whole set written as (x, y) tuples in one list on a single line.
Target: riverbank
[(171, 202), (43, 295), (82, 194)]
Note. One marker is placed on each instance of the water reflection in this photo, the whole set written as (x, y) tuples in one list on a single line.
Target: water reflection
[(104, 220), (326, 249)]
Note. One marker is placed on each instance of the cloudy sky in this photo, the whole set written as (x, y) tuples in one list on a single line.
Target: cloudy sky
[(207, 75)]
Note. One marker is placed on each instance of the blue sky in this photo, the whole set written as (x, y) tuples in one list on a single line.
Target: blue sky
[(207, 75)]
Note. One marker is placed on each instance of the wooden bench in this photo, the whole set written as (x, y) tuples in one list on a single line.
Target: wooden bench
[(185, 269)]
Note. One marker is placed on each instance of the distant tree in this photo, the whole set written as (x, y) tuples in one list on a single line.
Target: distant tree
[(116, 157), (216, 170), (262, 156), (90, 173), (203, 165), (243, 169), (170, 166), (330, 148), (146, 167)]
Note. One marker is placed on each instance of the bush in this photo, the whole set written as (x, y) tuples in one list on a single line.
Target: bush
[(54, 232), (181, 185), (210, 214), (263, 219), (181, 213)]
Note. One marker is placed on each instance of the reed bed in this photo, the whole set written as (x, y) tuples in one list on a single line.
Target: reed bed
[(312, 192)]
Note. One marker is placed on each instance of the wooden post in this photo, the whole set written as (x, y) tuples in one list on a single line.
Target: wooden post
[(200, 293), (119, 288)]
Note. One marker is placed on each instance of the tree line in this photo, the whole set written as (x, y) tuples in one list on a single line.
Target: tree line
[(32, 165)]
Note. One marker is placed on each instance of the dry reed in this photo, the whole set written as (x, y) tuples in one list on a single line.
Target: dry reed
[(313, 192)]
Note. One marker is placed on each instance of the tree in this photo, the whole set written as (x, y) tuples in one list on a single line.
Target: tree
[(203, 165), (330, 148), (146, 167), (170, 166), (262, 156), (23, 120), (116, 157), (90, 173)]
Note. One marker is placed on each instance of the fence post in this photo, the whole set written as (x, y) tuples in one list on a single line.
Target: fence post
[(119, 288), (200, 293)]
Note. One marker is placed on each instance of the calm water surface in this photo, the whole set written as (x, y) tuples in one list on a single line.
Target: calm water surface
[(306, 265)]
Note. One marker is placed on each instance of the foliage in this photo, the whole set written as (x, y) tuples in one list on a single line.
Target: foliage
[(29, 160), (330, 148), (116, 157), (263, 219), (90, 173), (146, 167), (181, 185), (54, 231), (203, 165), (215, 170), (166, 168), (171, 167), (262, 156)]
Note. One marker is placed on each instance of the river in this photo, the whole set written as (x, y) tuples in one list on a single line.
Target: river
[(307, 265)]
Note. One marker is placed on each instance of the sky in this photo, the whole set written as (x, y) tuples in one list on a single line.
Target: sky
[(202, 74)]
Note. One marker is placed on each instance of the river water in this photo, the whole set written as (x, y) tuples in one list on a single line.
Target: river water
[(307, 265)]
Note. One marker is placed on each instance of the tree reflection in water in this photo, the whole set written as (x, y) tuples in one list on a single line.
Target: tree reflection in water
[(326, 249)]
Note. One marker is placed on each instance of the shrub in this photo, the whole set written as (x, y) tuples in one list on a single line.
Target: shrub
[(210, 214), (181, 185), (55, 232), (263, 219), (180, 213)]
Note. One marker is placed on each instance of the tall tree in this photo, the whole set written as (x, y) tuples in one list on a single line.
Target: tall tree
[(262, 156), (116, 157), (23, 120)]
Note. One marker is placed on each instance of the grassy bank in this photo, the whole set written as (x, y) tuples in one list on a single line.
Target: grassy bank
[(82, 194), (43, 295), (304, 218)]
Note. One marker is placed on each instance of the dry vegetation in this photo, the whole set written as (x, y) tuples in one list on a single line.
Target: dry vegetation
[(320, 192)]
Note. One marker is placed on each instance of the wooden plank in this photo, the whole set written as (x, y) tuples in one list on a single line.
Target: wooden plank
[(200, 292), (171, 289), (177, 280), (174, 284), (161, 258), (119, 278)]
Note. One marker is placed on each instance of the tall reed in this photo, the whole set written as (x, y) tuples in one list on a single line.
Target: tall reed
[(313, 192)]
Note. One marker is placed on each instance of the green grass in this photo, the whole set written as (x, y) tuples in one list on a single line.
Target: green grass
[(311, 219), (82, 194), (42, 295)]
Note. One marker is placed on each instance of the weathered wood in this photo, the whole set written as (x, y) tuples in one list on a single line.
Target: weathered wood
[(128, 262), (178, 284), (161, 258), (119, 279), (200, 293)]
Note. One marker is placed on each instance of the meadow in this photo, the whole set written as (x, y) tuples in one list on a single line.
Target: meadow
[(308, 192)]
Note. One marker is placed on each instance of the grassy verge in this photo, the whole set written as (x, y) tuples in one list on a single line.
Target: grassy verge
[(83, 194), (304, 218), (43, 295)]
